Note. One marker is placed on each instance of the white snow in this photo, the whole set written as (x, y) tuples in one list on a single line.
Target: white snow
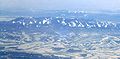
[(58, 21), (35, 21), (98, 24), (13, 22), (106, 25), (23, 23), (76, 21), (80, 25), (46, 21), (39, 22), (64, 23), (73, 24), (30, 22)]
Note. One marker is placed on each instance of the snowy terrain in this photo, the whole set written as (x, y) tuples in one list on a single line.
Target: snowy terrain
[(63, 34)]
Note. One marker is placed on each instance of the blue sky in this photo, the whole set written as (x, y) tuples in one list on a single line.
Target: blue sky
[(61, 4)]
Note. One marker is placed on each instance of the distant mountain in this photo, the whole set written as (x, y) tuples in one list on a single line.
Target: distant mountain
[(56, 24)]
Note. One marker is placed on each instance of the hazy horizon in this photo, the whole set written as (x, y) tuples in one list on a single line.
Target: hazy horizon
[(60, 4)]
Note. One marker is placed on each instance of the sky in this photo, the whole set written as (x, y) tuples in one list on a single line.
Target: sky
[(61, 4)]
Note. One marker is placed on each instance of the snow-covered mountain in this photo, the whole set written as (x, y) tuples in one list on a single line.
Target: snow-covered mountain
[(70, 36), (56, 23)]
